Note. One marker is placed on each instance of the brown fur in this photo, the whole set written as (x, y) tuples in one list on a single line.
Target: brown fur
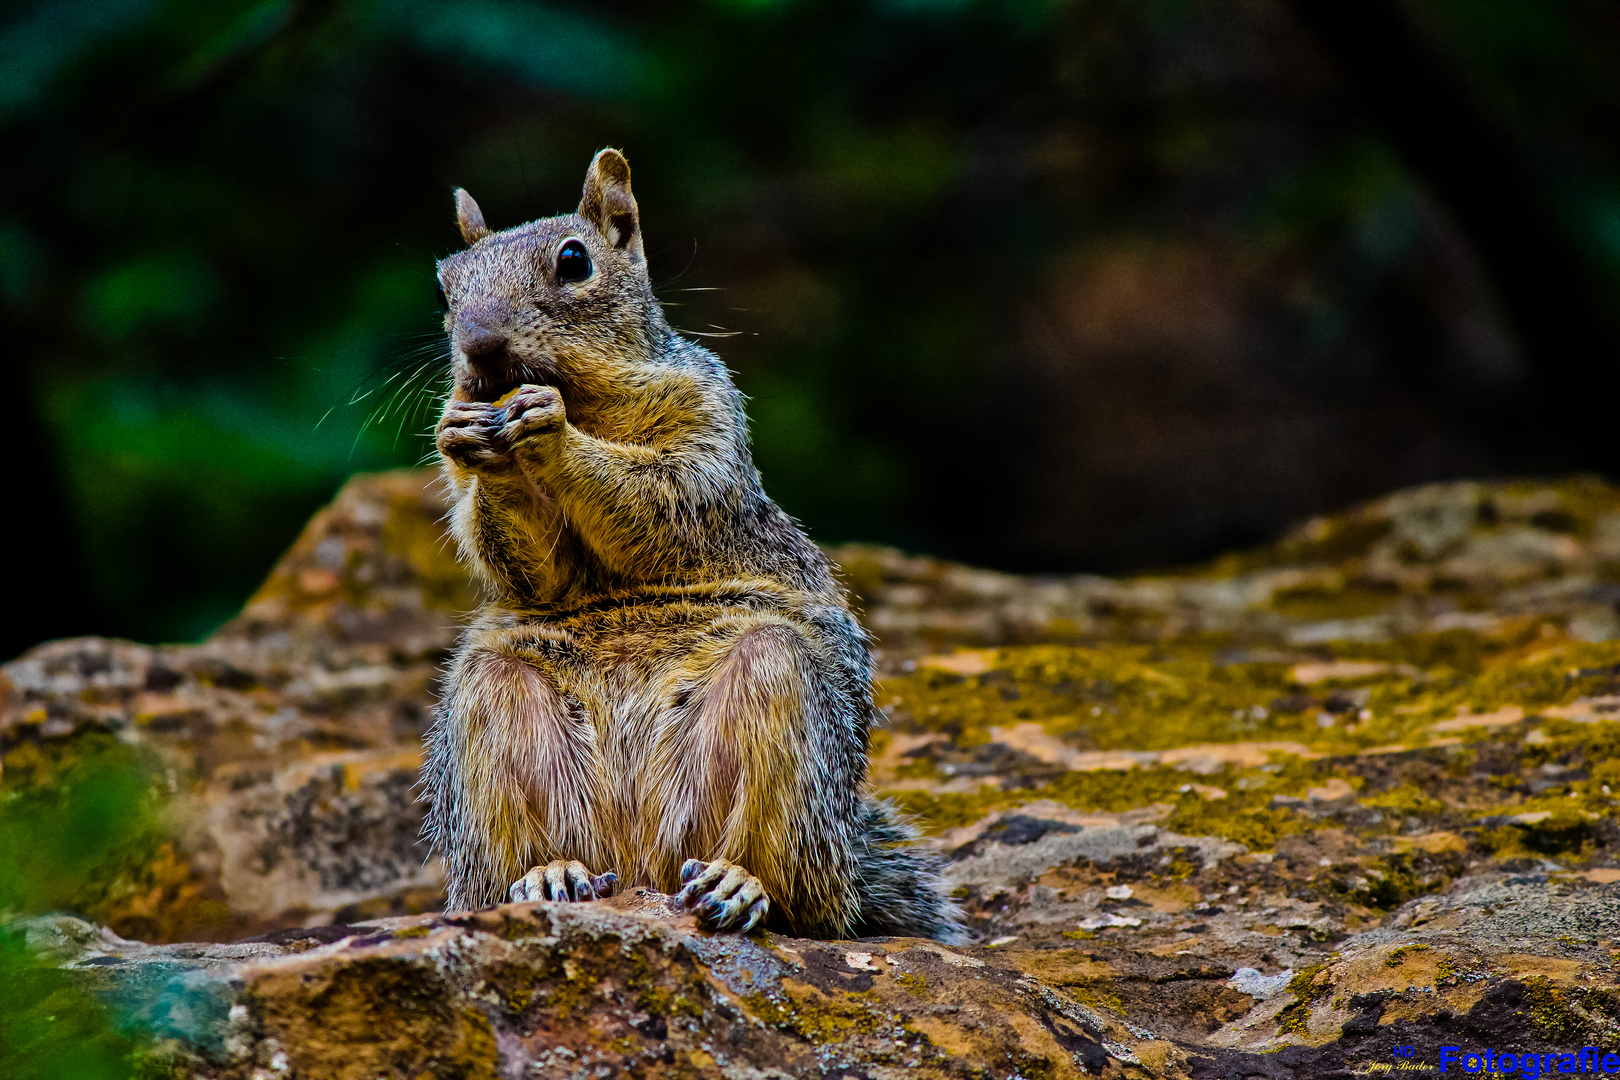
[(667, 668)]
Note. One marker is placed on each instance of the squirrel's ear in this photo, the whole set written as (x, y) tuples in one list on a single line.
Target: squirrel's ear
[(608, 204), (470, 218)]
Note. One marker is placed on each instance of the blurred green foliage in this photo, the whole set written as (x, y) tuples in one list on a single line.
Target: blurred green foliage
[(76, 817), (51, 1028), (219, 223)]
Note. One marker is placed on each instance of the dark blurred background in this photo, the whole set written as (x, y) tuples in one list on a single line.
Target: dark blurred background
[(1096, 284)]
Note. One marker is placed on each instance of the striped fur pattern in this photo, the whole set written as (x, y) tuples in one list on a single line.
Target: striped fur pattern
[(667, 668)]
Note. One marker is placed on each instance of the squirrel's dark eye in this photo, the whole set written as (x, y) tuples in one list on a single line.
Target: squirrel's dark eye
[(444, 301), (573, 263)]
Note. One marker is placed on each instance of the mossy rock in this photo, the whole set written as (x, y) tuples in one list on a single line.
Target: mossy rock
[(1267, 813)]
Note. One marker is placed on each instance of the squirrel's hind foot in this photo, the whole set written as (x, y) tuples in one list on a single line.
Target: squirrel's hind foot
[(723, 895), (561, 879)]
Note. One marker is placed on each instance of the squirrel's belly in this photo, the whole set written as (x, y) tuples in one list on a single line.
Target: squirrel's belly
[(682, 722)]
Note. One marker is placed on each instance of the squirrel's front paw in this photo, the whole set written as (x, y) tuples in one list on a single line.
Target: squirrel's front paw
[(469, 434), (561, 880), (723, 895), (532, 413)]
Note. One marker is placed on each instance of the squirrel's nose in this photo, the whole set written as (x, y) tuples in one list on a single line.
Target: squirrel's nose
[(475, 341)]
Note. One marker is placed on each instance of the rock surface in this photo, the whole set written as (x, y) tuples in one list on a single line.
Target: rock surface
[(1272, 816), (291, 737), (626, 984)]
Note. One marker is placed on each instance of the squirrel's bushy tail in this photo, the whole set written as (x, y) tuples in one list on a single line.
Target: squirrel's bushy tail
[(902, 893)]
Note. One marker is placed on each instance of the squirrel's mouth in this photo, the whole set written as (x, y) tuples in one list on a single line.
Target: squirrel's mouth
[(485, 381), (478, 389)]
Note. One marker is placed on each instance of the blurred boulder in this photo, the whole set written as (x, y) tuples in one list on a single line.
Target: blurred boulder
[(291, 736)]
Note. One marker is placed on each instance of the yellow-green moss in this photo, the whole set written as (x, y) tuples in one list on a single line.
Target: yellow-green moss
[(1249, 822), (1294, 1020), (1407, 800), (1111, 696), (1245, 815), (831, 1021), (1182, 869), (1097, 998), (1393, 880), (913, 983), (575, 990), (656, 1001), (1116, 696), (1563, 836), (1398, 956), (1551, 1012), (771, 1011), (652, 996), (1309, 985)]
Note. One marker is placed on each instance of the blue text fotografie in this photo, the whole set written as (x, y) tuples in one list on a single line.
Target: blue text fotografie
[(1588, 1059)]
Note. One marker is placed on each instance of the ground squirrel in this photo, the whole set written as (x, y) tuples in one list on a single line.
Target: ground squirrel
[(667, 686)]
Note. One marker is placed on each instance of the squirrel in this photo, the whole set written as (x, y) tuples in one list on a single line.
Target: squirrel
[(666, 686)]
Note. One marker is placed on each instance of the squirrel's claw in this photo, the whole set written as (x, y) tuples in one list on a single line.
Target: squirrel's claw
[(756, 915), (561, 880), (469, 434), (723, 895), (700, 877), (533, 411), (567, 881)]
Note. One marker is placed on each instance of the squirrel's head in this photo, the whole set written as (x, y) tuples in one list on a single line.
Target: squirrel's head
[(554, 301)]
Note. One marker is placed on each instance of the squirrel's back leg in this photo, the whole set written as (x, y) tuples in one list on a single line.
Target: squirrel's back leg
[(514, 776), (755, 761)]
